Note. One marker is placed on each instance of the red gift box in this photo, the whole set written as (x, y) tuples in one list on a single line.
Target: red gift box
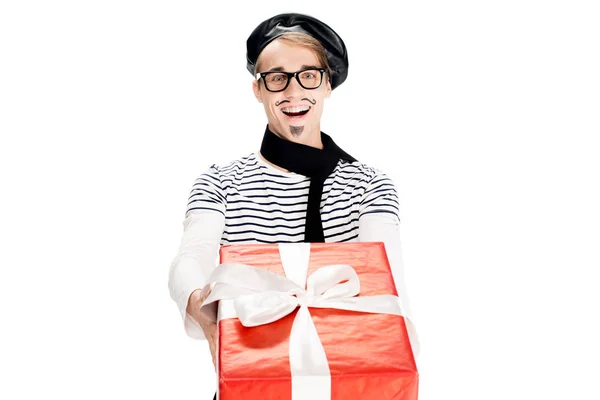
[(369, 354)]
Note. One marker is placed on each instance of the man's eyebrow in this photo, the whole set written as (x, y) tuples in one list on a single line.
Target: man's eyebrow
[(280, 69)]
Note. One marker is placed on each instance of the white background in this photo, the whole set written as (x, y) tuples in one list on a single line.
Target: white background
[(485, 114)]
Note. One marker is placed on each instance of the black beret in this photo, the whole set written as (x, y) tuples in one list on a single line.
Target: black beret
[(270, 29)]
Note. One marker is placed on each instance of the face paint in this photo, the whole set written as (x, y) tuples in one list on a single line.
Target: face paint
[(296, 130), (294, 113)]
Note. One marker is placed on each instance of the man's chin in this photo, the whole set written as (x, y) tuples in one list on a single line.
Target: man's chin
[(296, 130)]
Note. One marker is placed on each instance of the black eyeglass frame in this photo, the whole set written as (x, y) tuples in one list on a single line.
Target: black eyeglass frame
[(290, 75)]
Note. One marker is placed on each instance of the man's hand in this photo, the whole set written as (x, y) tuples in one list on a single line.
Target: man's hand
[(208, 326)]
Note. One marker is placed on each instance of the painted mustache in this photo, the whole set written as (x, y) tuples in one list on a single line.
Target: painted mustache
[(313, 102)]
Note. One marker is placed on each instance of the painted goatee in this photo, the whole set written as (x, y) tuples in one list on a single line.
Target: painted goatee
[(296, 130)]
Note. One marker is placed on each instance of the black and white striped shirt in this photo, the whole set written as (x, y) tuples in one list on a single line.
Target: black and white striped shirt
[(250, 201), (262, 204)]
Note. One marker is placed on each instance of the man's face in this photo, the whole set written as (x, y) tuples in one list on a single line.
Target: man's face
[(303, 129)]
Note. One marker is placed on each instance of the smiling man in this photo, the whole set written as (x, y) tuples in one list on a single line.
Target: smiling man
[(300, 186), (294, 112)]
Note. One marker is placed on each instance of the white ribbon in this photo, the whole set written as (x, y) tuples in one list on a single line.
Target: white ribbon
[(259, 297)]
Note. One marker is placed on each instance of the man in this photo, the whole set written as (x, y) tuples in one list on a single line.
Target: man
[(300, 186)]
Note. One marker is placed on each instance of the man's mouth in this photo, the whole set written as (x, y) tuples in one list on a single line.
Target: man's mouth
[(295, 112)]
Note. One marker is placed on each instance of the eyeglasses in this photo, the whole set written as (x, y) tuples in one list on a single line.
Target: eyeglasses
[(279, 81)]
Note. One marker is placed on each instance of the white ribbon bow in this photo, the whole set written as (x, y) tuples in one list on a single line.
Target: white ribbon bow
[(259, 297)]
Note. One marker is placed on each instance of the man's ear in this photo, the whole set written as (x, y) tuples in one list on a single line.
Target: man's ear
[(328, 89), (256, 90)]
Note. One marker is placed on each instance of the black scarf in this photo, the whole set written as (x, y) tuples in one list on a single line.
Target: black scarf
[(309, 161)]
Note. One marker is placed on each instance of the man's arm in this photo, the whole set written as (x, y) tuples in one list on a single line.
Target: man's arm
[(198, 253), (195, 261)]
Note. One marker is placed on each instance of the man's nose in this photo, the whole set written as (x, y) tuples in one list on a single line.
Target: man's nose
[(293, 88)]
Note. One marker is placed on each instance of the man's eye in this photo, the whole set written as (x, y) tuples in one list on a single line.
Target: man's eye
[(279, 78)]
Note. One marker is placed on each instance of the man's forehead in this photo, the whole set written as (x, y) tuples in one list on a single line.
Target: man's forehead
[(282, 55), (282, 68)]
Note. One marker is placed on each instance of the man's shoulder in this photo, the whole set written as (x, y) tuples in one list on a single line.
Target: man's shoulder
[(236, 166), (359, 170)]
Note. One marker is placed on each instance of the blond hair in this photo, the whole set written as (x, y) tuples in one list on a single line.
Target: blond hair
[(302, 39)]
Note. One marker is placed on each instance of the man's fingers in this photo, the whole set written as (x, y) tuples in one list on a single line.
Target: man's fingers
[(212, 342), (213, 352), (210, 331)]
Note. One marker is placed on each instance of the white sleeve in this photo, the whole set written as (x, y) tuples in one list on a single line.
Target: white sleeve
[(385, 227), (197, 257)]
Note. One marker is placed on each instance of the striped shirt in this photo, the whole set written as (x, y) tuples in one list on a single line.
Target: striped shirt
[(250, 201), (262, 204)]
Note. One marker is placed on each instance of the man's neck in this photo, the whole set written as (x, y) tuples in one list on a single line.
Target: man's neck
[(316, 141)]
